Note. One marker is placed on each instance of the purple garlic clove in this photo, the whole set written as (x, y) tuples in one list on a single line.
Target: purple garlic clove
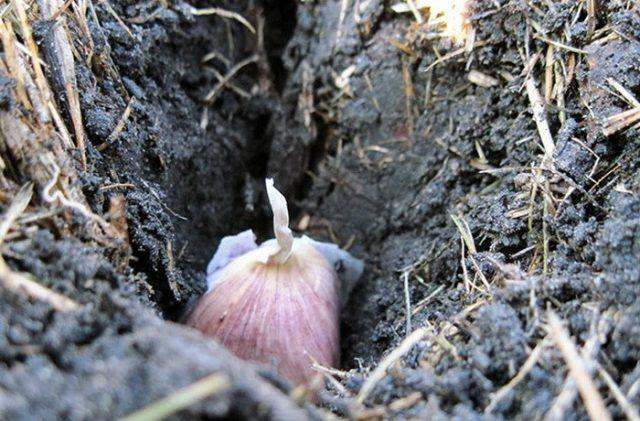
[(277, 303)]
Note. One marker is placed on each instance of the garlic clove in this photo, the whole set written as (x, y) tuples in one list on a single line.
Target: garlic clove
[(283, 315), (277, 303)]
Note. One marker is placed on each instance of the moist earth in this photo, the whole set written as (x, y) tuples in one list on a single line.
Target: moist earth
[(370, 124)]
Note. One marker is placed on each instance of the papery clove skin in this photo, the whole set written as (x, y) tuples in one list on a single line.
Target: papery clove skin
[(277, 303)]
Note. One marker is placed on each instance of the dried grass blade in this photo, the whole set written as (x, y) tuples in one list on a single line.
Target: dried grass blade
[(18, 205), (183, 398), (591, 397)]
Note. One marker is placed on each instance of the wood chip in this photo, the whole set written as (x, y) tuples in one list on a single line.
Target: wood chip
[(482, 79)]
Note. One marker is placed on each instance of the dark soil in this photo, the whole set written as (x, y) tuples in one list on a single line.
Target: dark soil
[(382, 163)]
